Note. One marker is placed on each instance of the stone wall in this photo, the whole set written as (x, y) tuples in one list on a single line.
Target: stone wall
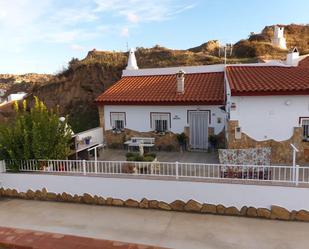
[(275, 212), (281, 151), (166, 142)]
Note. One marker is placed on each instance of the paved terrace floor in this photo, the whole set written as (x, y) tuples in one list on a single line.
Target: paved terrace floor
[(153, 227), (163, 156)]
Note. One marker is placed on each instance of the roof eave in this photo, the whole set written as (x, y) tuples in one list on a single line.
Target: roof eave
[(269, 93), (170, 103)]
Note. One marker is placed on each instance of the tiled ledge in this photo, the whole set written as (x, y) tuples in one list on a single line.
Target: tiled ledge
[(28, 239)]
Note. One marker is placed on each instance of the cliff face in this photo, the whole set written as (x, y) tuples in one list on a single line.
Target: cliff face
[(75, 89)]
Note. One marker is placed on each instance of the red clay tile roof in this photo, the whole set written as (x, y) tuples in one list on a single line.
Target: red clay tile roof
[(304, 63), (268, 80), (200, 88)]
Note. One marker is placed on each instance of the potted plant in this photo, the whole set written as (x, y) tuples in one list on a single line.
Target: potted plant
[(87, 140), (213, 140), (182, 138)]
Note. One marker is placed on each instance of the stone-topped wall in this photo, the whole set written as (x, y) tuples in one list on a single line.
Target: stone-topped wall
[(275, 212), (281, 151), (166, 142)]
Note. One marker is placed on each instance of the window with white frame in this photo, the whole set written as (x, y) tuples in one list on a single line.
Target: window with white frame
[(118, 120), (160, 122), (305, 125)]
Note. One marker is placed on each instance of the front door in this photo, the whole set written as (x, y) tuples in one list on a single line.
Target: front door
[(198, 123)]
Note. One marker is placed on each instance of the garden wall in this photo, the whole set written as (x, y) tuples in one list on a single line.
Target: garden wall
[(276, 202)]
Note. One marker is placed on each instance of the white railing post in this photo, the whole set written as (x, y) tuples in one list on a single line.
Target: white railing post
[(95, 161), (3, 166), (84, 167), (176, 168), (297, 175), (295, 150)]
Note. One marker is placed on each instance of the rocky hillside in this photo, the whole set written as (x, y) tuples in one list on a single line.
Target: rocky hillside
[(23, 82), (259, 45), (75, 89)]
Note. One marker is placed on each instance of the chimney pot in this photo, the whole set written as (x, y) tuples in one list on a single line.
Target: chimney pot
[(132, 64), (292, 57), (180, 76)]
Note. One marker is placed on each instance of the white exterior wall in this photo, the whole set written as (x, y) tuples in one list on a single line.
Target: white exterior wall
[(269, 117), (16, 96), (138, 117), (96, 135), (237, 195)]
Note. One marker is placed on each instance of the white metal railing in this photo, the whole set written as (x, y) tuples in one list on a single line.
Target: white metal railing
[(262, 173)]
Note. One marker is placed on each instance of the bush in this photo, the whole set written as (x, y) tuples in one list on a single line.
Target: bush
[(148, 157), (35, 134), (151, 154), (130, 154)]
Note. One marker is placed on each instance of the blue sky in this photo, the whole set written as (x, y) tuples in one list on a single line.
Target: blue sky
[(42, 36)]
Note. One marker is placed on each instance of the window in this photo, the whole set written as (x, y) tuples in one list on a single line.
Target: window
[(160, 122), (118, 120), (305, 125)]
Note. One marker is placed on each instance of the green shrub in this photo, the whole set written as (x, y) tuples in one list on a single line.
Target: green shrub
[(148, 159), (139, 158), (131, 159), (35, 134), (131, 154), (151, 154)]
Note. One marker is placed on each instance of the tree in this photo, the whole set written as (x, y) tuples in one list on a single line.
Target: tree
[(36, 134)]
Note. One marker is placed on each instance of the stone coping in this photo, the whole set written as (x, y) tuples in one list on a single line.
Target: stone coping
[(29, 239), (275, 212)]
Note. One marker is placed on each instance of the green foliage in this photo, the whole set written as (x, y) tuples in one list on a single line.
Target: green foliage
[(151, 154), (148, 157), (35, 134)]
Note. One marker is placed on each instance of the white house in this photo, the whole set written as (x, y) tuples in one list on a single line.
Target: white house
[(16, 96), (269, 106), (166, 101)]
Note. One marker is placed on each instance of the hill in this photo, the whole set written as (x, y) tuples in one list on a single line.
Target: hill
[(75, 89)]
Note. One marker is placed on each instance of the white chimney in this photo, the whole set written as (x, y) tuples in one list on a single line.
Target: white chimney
[(293, 58), (132, 64), (180, 76)]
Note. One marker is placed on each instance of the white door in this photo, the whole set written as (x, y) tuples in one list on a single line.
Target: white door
[(198, 122)]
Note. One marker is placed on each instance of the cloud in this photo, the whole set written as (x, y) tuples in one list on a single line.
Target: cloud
[(77, 47), (143, 10), (26, 21), (133, 18), (124, 32)]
